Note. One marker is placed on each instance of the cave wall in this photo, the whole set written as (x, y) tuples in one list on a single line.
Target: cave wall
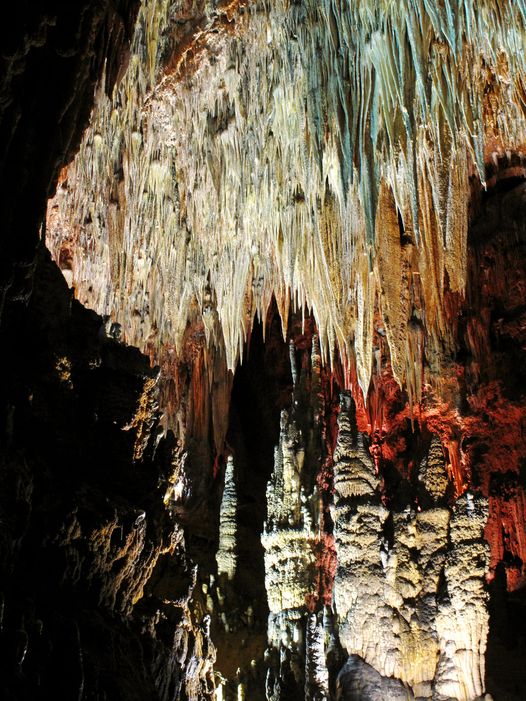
[(84, 467)]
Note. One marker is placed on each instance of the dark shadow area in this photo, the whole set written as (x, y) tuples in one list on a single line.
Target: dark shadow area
[(493, 343), (238, 608), (506, 653)]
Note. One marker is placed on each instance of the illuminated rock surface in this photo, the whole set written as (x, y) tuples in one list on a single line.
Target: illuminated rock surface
[(407, 606), (310, 218), (226, 555), (279, 148)]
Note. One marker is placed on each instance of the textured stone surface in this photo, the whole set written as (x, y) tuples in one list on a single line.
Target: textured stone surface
[(97, 589), (402, 575), (86, 538), (292, 149), (226, 555), (288, 539), (358, 680)]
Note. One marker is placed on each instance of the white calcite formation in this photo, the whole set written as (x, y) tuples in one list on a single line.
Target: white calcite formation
[(288, 537), (316, 673), (277, 148), (462, 620), (226, 556), (288, 540), (409, 589)]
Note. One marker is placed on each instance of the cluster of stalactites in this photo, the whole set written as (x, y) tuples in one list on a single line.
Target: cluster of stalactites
[(317, 151)]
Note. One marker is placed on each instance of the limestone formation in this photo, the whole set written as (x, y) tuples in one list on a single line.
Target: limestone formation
[(462, 619), (289, 541), (287, 156), (316, 672), (358, 680), (433, 474), (400, 577), (263, 390), (226, 555), (287, 516)]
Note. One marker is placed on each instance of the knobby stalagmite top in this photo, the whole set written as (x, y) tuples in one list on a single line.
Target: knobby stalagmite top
[(409, 588), (320, 152)]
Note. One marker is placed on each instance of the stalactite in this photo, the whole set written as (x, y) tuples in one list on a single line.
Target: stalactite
[(320, 152), (352, 169)]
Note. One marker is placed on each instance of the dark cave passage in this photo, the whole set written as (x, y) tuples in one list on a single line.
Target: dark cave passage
[(238, 607)]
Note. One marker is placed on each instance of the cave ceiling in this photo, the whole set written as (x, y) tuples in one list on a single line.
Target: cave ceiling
[(260, 150)]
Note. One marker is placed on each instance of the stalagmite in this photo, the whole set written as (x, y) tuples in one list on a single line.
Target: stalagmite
[(226, 555), (316, 673), (462, 621), (433, 474), (288, 540), (396, 621)]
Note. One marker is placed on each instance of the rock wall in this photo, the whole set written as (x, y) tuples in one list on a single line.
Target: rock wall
[(96, 587)]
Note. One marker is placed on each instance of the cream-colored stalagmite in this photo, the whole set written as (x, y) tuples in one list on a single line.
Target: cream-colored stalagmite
[(409, 589), (226, 555), (289, 536), (288, 540), (462, 621), (279, 152)]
